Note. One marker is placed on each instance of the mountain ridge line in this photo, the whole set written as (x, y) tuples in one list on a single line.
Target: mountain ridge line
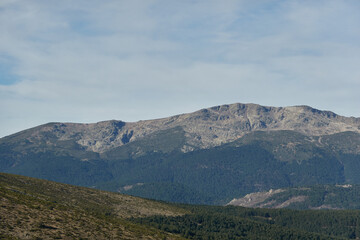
[(204, 128)]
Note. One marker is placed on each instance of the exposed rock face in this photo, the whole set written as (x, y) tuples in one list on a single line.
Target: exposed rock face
[(258, 200), (204, 128), (255, 199)]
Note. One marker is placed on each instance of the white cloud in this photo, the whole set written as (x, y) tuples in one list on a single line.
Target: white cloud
[(87, 61)]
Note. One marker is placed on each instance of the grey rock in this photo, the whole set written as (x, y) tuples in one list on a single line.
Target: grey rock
[(204, 128)]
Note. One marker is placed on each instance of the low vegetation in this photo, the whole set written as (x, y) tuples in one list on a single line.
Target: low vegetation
[(32, 208)]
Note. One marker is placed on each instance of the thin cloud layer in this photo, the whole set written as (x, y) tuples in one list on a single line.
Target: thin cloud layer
[(87, 61)]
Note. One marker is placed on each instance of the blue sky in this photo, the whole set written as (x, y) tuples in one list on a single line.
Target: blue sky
[(88, 61)]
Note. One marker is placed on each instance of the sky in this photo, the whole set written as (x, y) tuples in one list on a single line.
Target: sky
[(93, 60)]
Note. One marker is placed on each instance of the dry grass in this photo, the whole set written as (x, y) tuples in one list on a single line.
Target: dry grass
[(38, 209)]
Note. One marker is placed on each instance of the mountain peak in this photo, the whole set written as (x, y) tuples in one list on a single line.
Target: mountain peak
[(205, 128)]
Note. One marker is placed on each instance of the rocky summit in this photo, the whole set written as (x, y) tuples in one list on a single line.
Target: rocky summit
[(204, 128)]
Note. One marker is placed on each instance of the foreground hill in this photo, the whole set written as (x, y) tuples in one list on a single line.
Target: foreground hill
[(207, 157), (39, 209), (32, 208)]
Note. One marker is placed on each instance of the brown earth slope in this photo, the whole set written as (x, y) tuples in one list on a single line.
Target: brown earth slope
[(39, 209)]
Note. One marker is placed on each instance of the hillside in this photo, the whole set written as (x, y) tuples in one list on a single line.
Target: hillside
[(38, 209), (207, 157), (312, 197), (32, 208)]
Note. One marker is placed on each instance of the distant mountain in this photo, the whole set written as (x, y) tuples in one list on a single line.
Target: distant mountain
[(38, 209), (202, 129), (210, 156)]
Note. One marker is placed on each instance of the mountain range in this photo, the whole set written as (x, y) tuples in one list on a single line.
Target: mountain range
[(210, 156)]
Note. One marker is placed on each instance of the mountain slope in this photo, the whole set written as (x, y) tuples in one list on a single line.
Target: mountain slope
[(255, 162), (207, 157), (33, 209)]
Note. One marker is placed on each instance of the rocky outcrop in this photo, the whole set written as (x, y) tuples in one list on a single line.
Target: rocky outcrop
[(255, 199), (260, 200)]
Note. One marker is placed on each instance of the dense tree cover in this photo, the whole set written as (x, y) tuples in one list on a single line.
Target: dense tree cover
[(220, 174), (256, 162), (222, 227), (242, 223), (172, 192)]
